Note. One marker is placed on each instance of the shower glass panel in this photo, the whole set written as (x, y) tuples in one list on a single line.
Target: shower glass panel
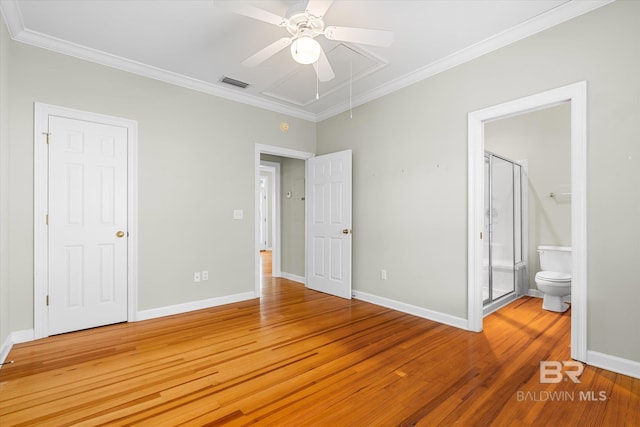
[(503, 227)]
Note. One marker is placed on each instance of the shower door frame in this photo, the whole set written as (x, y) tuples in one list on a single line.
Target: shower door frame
[(492, 304), (576, 94)]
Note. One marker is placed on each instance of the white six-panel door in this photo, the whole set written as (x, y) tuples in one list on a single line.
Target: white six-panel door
[(87, 224), (329, 234)]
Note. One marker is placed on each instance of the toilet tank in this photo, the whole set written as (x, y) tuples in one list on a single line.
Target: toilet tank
[(555, 258)]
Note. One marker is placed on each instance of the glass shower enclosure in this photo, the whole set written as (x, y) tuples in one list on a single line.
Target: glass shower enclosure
[(503, 230)]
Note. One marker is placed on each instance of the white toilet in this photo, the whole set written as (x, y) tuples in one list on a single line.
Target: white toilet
[(554, 281)]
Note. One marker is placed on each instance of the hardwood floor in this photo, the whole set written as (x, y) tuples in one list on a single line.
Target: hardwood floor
[(298, 357)]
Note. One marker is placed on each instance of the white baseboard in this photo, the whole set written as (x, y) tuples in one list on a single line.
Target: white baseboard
[(15, 338), (436, 316), (192, 306), (535, 293), (614, 363), (294, 277), (5, 349)]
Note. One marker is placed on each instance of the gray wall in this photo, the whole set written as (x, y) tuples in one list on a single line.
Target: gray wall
[(187, 194), (4, 184), (410, 170), (544, 139), (293, 232), (292, 229)]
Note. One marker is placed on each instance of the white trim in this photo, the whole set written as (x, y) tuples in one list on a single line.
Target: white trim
[(294, 277), (276, 151), (276, 220), (16, 337), (5, 349), (535, 293), (551, 18), (194, 305), (576, 93), (614, 363), (555, 16), (12, 17), (425, 313), (24, 335), (18, 32), (40, 281)]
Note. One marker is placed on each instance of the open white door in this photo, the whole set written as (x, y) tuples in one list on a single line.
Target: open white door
[(329, 223)]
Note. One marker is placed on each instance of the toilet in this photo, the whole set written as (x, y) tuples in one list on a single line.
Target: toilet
[(554, 281)]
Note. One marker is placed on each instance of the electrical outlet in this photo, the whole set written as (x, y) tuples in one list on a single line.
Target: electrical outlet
[(196, 276), (383, 274), (205, 275), (238, 214)]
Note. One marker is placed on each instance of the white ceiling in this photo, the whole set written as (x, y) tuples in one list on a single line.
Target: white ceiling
[(194, 43)]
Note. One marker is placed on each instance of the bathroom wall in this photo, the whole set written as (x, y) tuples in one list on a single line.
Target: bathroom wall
[(543, 138)]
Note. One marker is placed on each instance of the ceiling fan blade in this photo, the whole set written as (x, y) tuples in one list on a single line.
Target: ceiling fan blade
[(267, 52), (255, 13), (323, 68), (318, 8), (360, 35)]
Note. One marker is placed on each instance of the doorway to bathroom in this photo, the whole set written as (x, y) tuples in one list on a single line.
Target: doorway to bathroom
[(504, 261), (576, 95)]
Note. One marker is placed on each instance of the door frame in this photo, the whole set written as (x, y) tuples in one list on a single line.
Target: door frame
[(275, 151), (273, 169), (575, 93), (40, 203)]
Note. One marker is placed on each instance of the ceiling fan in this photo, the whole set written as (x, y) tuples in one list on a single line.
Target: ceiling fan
[(304, 22)]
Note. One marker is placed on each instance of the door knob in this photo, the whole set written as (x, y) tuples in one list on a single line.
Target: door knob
[(120, 234), (346, 231)]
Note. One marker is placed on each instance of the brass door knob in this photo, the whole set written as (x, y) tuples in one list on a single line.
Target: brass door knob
[(120, 234), (346, 231)]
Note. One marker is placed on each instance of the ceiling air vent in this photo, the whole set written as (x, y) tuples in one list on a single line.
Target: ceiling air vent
[(234, 82)]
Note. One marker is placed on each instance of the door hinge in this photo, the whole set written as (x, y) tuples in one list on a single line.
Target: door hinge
[(47, 300), (46, 219), (47, 135), (481, 235)]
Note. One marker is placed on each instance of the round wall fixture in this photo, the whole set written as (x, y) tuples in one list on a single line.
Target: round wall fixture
[(284, 127)]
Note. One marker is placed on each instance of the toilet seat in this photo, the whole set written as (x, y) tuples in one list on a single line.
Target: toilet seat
[(553, 276)]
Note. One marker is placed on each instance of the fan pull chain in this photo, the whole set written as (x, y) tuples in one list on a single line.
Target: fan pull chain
[(351, 89), (318, 81)]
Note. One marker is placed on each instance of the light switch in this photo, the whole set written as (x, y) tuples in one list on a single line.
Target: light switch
[(238, 214)]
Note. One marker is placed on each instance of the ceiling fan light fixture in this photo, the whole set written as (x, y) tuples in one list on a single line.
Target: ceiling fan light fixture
[(305, 50)]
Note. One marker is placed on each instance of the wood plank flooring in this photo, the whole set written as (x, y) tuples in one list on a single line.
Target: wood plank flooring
[(298, 358)]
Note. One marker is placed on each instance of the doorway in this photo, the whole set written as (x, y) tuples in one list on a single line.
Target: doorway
[(276, 241), (269, 202), (576, 95), (323, 206), (85, 222)]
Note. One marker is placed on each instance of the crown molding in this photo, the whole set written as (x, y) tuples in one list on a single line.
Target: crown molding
[(12, 17), (553, 17), (19, 33), (573, 8)]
